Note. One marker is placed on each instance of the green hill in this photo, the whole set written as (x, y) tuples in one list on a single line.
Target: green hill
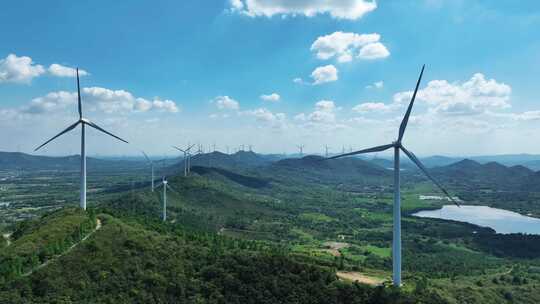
[(134, 262)]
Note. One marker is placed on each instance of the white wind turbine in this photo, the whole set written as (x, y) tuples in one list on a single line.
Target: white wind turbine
[(83, 122), (397, 146), (165, 184), (152, 166), (186, 158)]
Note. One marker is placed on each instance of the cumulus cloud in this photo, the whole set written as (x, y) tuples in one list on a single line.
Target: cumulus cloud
[(373, 51), (98, 99), (324, 113), (226, 103), (58, 70), (346, 46), (375, 107), (376, 85), (298, 80), (274, 97), (265, 115), (324, 74), (19, 69), (339, 9), (475, 96)]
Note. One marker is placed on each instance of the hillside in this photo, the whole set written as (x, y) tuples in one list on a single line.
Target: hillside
[(126, 262), (316, 169), (469, 173), (241, 159)]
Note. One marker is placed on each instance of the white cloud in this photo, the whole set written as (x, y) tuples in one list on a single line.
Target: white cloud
[(324, 74), (274, 97), (164, 106), (475, 96), (236, 5), (226, 103), (374, 51), (324, 113), (58, 70), (19, 69), (265, 115), (524, 116), (98, 99), (298, 80), (375, 107), (339, 9), (376, 85), (346, 46)]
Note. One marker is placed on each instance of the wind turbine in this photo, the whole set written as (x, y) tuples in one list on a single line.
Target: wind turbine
[(186, 157), (326, 149), (397, 146), (165, 185), (83, 122), (301, 149), (152, 166)]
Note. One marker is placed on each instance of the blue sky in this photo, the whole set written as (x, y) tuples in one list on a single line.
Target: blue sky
[(173, 72)]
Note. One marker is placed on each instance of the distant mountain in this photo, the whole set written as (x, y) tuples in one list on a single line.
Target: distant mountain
[(18, 161), (492, 174), (244, 180), (509, 159), (438, 161), (317, 169), (241, 159)]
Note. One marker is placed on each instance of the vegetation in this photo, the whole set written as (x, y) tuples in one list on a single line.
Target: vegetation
[(280, 233)]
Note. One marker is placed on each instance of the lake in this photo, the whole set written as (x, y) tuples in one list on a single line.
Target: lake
[(500, 220)]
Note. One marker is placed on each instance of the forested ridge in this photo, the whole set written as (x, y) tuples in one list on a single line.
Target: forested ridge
[(149, 262)]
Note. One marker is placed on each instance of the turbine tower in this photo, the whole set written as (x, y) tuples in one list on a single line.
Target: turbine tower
[(397, 146), (301, 149), (326, 149), (152, 166), (186, 157), (83, 122), (165, 185)]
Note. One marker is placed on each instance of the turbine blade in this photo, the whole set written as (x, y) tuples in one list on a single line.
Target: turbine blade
[(405, 120), (369, 150), (172, 189), (415, 160), (179, 149), (79, 95), (146, 156), (59, 134), (93, 125)]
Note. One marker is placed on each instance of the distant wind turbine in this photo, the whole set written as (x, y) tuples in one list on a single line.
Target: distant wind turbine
[(397, 146), (186, 157), (326, 149), (301, 149), (83, 122), (152, 166)]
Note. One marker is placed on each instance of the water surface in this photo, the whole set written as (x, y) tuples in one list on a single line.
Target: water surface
[(500, 220)]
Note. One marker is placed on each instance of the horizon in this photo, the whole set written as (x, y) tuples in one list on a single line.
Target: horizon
[(383, 155)]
